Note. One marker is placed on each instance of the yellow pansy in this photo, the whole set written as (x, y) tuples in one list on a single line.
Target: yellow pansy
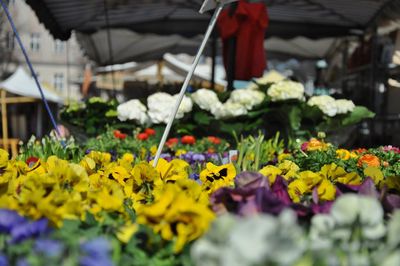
[(117, 172), (100, 158), (176, 216), (153, 150), (289, 169), (126, 232), (88, 163), (172, 171), (271, 172), (297, 189), (326, 190), (283, 156), (375, 173), (343, 154), (393, 182), (180, 152), (215, 177), (335, 173), (3, 158)]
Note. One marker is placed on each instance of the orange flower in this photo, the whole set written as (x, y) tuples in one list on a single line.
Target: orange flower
[(188, 140), (150, 131), (315, 145), (360, 150), (369, 160)]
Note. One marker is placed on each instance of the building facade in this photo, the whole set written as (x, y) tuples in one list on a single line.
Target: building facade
[(58, 64)]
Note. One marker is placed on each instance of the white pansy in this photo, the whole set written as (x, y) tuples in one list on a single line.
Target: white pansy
[(286, 90), (325, 103), (344, 106), (133, 110), (228, 110), (205, 99), (160, 106), (246, 97)]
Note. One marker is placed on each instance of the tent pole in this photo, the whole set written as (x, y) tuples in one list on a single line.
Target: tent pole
[(187, 80), (4, 121), (213, 57)]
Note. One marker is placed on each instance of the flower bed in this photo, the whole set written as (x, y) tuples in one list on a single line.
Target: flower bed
[(313, 205)]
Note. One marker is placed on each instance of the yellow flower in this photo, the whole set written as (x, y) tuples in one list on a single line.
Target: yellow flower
[(375, 173), (180, 152), (343, 154), (3, 158), (296, 189), (283, 156), (215, 177), (117, 172), (326, 190), (316, 145), (289, 169), (126, 232), (101, 158), (153, 150), (176, 216), (172, 171), (271, 172), (88, 163), (336, 173)]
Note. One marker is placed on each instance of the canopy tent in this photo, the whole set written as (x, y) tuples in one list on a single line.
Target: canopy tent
[(129, 46), (24, 87), (288, 18), (22, 84)]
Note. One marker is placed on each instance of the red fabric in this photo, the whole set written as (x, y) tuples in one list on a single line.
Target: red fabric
[(248, 25)]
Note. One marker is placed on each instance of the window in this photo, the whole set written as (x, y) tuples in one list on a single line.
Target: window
[(35, 42), (58, 81), (59, 46), (10, 40)]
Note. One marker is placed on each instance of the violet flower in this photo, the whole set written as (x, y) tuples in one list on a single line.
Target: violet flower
[(48, 247), (9, 219), (3, 260), (27, 230), (198, 157), (96, 253)]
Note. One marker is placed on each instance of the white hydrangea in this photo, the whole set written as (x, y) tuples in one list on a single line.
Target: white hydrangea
[(160, 105), (228, 110), (133, 110), (344, 106), (205, 99), (325, 103), (247, 97), (286, 90)]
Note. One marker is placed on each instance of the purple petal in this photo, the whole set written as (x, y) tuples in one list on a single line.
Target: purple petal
[(391, 202), (368, 188), (279, 189), (269, 202), (251, 180), (248, 207), (324, 207), (301, 210), (343, 188)]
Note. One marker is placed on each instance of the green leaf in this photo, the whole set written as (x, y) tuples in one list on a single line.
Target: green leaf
[(294, 116), (359, 113), (202, 118)]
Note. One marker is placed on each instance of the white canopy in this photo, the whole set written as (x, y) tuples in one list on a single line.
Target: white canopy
[(20, 83)]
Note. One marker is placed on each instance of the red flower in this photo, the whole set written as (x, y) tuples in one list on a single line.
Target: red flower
[(214, 140), (172, 142), (142, 136), (119, 135), (150, 131), (188, 140)]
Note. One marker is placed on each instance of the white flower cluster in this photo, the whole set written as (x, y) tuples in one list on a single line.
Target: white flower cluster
[(286, 90), (239, 102), (247, 98), (133, 110), (160, 105), (344, 106), (331, 107)]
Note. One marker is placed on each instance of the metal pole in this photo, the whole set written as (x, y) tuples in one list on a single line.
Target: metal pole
[(213, 57), (186, 83)]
